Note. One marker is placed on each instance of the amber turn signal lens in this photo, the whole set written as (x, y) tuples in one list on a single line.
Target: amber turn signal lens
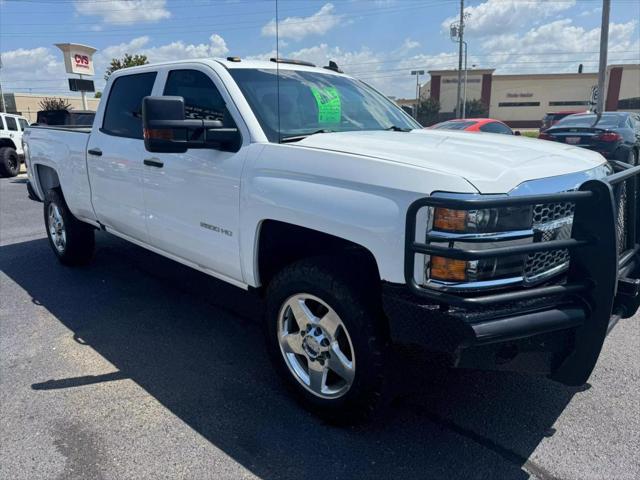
[(448, 269), (451, 220)]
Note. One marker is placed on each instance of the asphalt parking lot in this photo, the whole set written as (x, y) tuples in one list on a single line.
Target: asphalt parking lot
[(138, 367)]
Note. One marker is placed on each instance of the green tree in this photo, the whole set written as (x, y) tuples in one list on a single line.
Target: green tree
[(428, 111), (97, 95), (475, 108), (52, 103), (127, 61)]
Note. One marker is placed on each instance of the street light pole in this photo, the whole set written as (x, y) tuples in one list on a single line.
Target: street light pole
[(604, 42), (417, 73), (460, 41)]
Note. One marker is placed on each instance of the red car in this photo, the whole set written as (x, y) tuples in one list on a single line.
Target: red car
[(475, 125)]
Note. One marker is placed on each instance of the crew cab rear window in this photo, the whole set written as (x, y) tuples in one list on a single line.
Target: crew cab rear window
[(11, 124), (123, 113)]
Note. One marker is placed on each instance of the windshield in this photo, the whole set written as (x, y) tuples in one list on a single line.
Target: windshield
[(607, 121), (312, 102), (454, 125)]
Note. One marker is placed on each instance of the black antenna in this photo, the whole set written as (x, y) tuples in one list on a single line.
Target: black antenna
[(278, 72)]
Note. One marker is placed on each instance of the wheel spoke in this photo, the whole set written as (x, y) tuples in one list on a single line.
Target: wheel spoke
[(317, 376), (292, 343), (330, 323), (341, 365), (301, 313)]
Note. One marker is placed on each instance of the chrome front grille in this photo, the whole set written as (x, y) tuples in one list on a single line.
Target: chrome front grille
[(551, 221)]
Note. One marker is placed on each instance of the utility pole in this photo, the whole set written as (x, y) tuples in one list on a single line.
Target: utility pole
[(460, 41), (464, 96), (604, 43), (4, 108)]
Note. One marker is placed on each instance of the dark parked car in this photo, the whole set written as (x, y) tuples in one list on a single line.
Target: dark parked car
[(616, 135), (551, 118)]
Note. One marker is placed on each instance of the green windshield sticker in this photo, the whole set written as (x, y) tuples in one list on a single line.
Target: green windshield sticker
[(329, 106)]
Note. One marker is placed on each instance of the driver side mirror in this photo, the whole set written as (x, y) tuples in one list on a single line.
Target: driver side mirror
[(167, 131)]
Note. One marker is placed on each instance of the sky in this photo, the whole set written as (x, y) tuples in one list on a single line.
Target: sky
[(379, 41)]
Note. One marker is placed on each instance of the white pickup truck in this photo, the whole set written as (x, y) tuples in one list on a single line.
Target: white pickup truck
[(360, 228)]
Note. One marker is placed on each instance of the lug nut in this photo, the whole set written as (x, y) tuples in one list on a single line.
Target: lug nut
[(321, 361), (302, 333)]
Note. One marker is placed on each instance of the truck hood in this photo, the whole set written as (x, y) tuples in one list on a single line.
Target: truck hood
[(492, 163)]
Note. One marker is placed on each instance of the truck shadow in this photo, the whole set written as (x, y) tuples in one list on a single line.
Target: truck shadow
[(195, 344)]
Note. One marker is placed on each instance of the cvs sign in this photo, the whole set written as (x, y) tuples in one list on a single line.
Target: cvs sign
[(77, 58)]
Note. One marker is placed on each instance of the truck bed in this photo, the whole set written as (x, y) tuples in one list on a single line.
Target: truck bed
[(63, 149)]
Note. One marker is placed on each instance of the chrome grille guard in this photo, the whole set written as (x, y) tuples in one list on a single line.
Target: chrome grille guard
[(596, 263)]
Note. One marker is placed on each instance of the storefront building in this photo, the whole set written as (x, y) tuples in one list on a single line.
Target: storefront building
[(522, 100)]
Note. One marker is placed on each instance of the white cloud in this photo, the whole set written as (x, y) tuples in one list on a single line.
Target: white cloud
[(495, 17), (36, 69), (178, 50), (407, 46), (563, 42), (124, 12), (297, 28)]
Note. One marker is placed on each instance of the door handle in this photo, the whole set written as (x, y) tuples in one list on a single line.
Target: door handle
[(154, 162), (95, 151)]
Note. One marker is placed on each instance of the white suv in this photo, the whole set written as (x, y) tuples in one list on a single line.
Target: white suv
[(11, 154)]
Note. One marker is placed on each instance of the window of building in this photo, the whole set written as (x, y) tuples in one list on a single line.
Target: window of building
[(519, 104), (629, 103), (569, 103), (123, 114), (11, 124)]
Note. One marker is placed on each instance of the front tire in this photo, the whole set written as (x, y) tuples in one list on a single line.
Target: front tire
[(9, 162), (70, 239), (326, 338)]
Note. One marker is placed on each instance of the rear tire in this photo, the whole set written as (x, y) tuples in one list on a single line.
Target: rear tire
[(9, 162), (344, 338), (71, 240)]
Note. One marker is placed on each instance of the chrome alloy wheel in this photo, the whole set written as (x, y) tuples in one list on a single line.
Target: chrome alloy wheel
[(57, 230), (316, 346)]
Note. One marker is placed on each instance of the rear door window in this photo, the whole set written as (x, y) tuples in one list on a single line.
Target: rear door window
[(12, 125), (123, 113), (23, 123)]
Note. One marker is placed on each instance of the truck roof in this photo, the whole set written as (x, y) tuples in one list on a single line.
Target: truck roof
[(238, 64)]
